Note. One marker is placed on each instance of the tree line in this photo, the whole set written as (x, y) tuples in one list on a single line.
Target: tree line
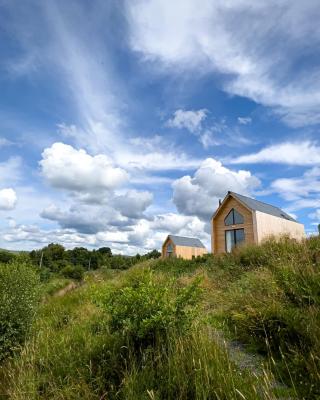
[(72, 263)]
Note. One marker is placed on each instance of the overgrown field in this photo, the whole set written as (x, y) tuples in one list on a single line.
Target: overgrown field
[(168, 329)]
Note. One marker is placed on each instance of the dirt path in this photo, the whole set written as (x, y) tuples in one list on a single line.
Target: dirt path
[(244, 360), (71, 286)]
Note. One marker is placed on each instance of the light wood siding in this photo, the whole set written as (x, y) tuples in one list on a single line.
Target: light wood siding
[(269, 225), (185, 252), (164, 248), (189, 252), (219, 228)]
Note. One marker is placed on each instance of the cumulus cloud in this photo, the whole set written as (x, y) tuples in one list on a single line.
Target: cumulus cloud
[(133, 203), (8, 199), (199, 195), (86, 219), (259, 57), (188, 119), (67, 168), (291, 153)]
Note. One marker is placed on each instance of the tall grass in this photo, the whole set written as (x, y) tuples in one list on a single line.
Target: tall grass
[(75, 353), (146, 333)]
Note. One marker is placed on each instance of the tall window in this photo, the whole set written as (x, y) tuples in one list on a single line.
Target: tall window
[(233, 238), (233, 218), (169, 250)]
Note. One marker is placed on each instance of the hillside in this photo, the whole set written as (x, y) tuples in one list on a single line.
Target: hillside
[(240, 326)]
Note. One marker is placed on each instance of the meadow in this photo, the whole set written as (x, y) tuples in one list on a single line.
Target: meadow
[(238, 326)]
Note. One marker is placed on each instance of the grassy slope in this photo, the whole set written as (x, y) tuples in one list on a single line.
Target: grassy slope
[(265, 297)]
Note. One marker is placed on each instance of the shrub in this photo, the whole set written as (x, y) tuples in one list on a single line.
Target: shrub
[(147, 307), (73, 272), (18, 300)]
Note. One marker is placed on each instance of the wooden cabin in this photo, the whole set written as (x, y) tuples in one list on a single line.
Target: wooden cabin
[(240, 219), (183, 247)]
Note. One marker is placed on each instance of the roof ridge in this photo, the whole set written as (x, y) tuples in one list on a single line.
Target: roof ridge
[(259, 201)]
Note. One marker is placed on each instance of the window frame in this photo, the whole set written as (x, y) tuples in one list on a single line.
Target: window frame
[(233, 212), (234, 237)]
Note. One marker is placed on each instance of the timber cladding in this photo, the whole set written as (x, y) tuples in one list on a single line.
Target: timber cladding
[(179, 251), (189, 252), (219, 228)]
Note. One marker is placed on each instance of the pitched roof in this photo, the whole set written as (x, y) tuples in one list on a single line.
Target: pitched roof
[(262, 207), (186, 241)]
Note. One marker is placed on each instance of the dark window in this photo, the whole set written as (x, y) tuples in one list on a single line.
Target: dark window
[(229, 218), (233, 238), (233, 218), (169, 250)]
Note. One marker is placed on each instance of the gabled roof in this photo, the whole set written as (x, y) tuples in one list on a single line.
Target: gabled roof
[(262, 207), (186, 241)]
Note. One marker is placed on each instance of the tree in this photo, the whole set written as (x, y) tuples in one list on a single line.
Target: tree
[(106, 251)]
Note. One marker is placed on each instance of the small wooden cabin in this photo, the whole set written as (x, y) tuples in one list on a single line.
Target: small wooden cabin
[(183, 247), (240, 219)]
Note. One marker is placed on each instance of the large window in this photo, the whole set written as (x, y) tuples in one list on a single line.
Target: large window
[(233, 238), (233, 218), (169, 250)]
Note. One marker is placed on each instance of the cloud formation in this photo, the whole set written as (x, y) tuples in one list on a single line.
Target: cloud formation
[(188, 119), (199, 195), (65, 167), (291, 153), (8, 199), (254, 45)]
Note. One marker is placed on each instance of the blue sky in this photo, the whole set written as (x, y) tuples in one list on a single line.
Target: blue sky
[(123, 121)]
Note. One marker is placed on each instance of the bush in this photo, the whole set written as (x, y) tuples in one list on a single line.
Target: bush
[(73, 272), (148, 306), (19, 295), (6, 256)]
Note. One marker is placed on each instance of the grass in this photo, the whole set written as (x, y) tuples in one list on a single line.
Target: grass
[(266, 298)]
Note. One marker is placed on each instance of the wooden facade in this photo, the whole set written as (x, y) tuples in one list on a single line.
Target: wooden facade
[(219, 228), (254, 226), (171, 249)]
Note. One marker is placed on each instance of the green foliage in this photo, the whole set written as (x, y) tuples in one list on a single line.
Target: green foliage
[(6, 256), (147, 307), (18, 302), (74, 354), (273, 306), (73, 272)]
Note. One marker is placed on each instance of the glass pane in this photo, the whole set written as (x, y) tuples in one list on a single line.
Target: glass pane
[(238, 218), (169, 248), (229, 219), (229, 241), (239, 234)]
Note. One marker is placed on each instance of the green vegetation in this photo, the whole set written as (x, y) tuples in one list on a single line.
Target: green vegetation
[(165, 329), (19, 286)]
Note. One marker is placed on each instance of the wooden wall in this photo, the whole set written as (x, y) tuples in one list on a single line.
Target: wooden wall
[(183, 251), (164, 247), (269, 225), (189, 252), (218, 227)]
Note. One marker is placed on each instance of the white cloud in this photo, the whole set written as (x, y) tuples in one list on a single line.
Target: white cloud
[(86, 219), (254, 44), (8, 199), (244, 120), (133, 203), (199, 195), (67, 168), (291, 153), (188, 119), (295, 188)]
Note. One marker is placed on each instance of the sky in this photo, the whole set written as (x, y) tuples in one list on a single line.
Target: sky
[(124, 121)]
